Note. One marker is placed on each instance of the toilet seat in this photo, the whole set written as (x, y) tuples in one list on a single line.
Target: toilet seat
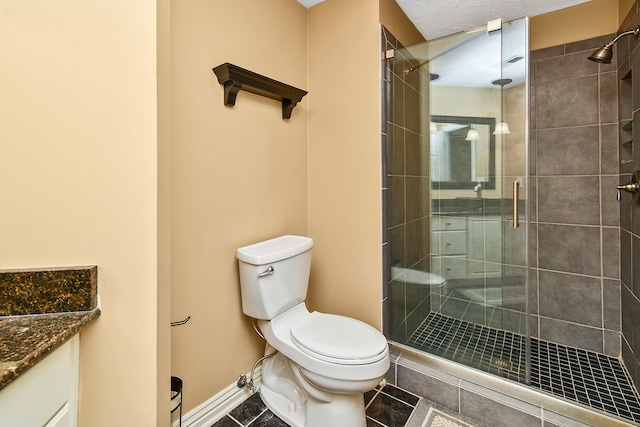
[(278, 334), (338, 339)]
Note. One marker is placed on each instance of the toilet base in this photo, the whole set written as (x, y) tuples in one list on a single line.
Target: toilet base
[(346, 410), (291, 398), (283, 408)]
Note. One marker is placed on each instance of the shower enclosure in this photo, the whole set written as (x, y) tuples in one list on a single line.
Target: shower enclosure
[(456, 179), (457, 192)]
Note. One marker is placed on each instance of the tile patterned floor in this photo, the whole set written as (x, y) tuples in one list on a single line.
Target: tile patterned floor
[(490, 350), (592, 379), (388, 407)]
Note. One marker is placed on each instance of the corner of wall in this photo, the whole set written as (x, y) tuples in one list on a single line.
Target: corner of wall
[(395, 20)]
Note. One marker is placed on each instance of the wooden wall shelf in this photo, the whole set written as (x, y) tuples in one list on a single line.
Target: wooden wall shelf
[(235, 78)]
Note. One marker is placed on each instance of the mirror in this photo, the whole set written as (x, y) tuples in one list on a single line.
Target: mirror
[(463, 152)]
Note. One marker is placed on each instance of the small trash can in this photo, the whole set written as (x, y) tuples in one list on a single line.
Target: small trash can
[(176, 398)]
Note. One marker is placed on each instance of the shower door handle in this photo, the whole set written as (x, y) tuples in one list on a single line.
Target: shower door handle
[(516, 197)]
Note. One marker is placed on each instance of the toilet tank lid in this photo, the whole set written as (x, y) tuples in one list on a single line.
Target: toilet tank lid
[(273, 250)]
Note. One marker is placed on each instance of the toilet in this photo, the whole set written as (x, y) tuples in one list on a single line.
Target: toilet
[(317, 366), (418, 277)]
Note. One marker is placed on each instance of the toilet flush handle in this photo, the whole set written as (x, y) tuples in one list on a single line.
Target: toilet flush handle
[(268, 272)]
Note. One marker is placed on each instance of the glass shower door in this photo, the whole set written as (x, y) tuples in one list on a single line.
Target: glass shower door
[(458, 267), (514, 309)]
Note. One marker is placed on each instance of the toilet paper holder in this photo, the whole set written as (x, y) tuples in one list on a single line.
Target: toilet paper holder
[(181, 322)]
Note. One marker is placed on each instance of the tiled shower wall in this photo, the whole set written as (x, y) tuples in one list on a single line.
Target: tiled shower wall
[(575, 220), (405, 187), (628, 59), (574, 242)]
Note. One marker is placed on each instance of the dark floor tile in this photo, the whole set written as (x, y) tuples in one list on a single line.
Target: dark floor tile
[(389, 411), (387, 408), (368, 396), (249, 410), (400, 394), (268, 419), (373, 423), (226, 422)]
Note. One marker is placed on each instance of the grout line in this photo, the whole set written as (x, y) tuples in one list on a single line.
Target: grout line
[(397, 398), (236, 421), (572, 373), (377, 423), (372, 399)]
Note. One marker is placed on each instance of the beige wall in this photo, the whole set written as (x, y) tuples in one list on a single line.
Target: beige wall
[(584, 21), (624, 6), (88, 178), (344, 158), (394, 19), (78, 182), (164, 204), (242, 174), (238, 175)]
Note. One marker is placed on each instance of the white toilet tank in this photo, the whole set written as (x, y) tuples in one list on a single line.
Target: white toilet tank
[(274, 275)]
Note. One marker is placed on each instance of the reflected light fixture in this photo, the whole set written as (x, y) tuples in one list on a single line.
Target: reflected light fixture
[(605, 53), (502, 128), (473, 134)]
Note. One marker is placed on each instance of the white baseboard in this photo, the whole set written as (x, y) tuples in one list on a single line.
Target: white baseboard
[(219, 405)]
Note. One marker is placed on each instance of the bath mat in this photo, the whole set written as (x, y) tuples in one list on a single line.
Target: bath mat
[(436, 418)]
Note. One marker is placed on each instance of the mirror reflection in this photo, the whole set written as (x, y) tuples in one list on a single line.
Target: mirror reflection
[(462, 152)]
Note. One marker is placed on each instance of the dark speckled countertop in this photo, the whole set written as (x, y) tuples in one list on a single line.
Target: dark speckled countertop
[(39, 311)]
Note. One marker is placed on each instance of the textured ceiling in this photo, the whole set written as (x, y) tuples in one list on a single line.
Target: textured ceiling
[(437, 18), (309, 3), (471, 48)]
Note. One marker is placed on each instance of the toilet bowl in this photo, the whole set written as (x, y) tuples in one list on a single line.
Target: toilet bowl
[(342, 354), (418, 277), (320, 364)]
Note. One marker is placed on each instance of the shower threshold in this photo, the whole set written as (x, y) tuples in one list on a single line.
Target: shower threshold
[(592, 379)]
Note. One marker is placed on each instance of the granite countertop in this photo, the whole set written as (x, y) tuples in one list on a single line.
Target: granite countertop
[(28, 339), (471, 206), (40, 310)]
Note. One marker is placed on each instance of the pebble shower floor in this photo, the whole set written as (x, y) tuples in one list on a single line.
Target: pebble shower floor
[(590, 378)]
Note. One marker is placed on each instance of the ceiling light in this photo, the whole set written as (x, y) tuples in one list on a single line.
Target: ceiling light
[(501, 82), (473, 134), (502, 128)]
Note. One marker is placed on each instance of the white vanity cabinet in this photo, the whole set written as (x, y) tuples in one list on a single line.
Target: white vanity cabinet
[(449, 246), (466, 247), (484, 255), (47, 394)]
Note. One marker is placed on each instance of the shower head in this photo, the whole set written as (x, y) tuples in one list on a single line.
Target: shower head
[(605, 53)]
